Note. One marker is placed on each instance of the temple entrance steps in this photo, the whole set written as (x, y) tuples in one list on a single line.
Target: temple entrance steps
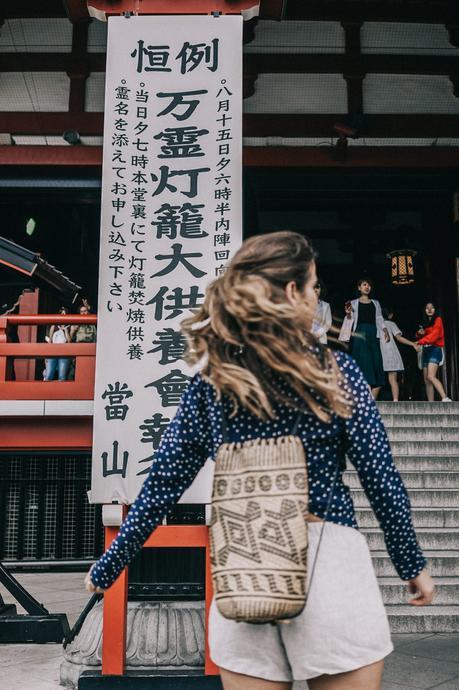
[(425, 444)]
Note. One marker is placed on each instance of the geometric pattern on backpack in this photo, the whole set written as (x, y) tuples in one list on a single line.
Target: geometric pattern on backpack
[(258, 529)]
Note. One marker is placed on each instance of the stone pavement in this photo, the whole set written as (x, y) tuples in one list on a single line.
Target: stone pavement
[(423, 661)]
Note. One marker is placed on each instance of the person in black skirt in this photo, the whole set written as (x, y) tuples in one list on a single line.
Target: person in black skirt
[(364, 327)]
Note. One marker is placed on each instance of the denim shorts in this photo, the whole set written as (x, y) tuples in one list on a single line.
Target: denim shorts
[(343, 627), (431, 354)]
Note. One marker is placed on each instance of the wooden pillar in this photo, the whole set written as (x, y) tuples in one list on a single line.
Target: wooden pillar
[(114, 620), (28, 304)]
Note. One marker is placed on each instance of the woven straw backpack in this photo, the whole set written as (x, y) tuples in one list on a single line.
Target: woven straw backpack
[(259, 529)]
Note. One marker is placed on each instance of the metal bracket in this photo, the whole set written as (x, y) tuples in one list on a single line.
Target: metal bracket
[(35, 629), (27, 601), (38, 626), (127, 15), (216, 14)]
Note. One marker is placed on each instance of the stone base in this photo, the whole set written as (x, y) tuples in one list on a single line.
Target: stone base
[(161, 637)]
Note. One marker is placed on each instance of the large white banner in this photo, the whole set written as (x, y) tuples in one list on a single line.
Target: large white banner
[(171, 219)]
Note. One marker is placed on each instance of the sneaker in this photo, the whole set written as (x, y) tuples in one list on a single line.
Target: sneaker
[(447, 400)]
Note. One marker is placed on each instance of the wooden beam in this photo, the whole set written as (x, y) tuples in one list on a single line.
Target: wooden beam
[(273, 9), (332, 63), (263, 63), (358, 157), (49, 62), (352, 40), (255, 125), (32, 8), (116, 7), (79, 71), (354, 84), (354, 77), (414, 11), (74, 156), (453, 33), (254, 156), (77, 10), (311, 125), (50, 433), (426, 11), (42, 123)]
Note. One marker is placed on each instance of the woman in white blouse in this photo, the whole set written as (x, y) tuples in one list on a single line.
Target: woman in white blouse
[(364, 326), (322, 317)]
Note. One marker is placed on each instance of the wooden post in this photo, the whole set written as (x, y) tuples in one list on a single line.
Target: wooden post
[(114, 620), (28, 304)]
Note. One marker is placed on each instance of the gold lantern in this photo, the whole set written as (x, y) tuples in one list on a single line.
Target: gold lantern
[(402, 267)]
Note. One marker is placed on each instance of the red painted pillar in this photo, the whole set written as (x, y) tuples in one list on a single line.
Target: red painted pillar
[(28, 304), (114, 620)]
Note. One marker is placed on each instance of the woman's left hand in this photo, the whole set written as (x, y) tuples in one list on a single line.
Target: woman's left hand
[(89, 584)]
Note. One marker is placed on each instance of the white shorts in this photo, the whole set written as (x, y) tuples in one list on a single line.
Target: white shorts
[(343, 627)]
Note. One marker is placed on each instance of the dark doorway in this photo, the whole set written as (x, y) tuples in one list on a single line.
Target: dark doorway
[(354, 221)]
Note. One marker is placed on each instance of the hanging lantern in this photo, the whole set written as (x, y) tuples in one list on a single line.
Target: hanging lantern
[(402, 268)]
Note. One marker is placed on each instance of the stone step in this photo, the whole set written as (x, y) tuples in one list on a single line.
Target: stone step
[(425, 448), (421, 420), (428, 463), (422, 517), (415, 480), (395, 592), (440, 564), (423, 619), (425, 433), (427, 498), (435, 538), (418, 407)]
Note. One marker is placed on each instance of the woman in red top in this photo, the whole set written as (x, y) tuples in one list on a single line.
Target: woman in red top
[(431, 339)]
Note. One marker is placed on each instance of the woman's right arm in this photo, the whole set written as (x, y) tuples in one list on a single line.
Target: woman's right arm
[(184, 449), (367, 447)]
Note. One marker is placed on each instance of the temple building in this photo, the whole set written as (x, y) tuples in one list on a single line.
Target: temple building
[(350, 136)]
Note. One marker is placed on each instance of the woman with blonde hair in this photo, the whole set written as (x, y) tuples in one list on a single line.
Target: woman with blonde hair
[(262, 369)]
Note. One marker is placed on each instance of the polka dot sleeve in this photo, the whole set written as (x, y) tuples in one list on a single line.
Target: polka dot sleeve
[(367, 447), (184, 448)]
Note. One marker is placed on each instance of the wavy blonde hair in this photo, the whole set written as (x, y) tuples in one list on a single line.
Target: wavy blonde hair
[(247, 330)]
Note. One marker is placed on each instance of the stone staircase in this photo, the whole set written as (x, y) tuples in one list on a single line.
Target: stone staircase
[(425, 444)]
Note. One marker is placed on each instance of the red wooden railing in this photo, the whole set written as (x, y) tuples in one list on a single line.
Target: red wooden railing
[(115, 598), (81, 388)]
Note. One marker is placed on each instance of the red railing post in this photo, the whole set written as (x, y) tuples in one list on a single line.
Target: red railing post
[(3, 337), (115, 599), (114, 631)]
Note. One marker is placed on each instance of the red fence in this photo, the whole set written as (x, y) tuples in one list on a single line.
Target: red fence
[(84, 354), (115, 598)]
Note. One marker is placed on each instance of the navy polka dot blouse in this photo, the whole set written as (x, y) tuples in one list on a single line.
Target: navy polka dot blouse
[(196, 432)]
